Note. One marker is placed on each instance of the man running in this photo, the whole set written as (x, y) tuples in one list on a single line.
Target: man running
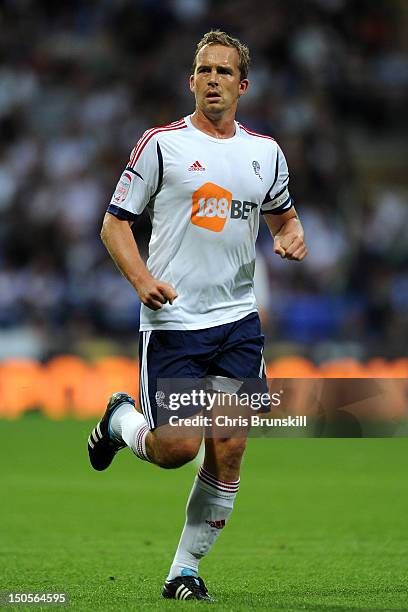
[(204, 180)]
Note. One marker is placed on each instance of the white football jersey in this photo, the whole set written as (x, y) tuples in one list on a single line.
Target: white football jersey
[(204, 196)]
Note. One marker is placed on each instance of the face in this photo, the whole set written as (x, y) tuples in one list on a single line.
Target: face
[(216, 82)]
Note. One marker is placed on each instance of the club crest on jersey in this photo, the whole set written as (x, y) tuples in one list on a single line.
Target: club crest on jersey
[(122, 188), (257, 169)]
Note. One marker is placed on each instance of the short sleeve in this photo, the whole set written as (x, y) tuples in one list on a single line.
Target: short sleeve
[(278, 199), (140, 181)]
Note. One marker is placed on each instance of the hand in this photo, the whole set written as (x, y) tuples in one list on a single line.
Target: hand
[(154, 293), (290, 245)]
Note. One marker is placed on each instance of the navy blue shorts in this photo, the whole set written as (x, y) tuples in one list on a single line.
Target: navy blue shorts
[(233, 350)]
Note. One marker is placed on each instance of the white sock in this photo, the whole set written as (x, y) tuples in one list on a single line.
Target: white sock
[(208, 508), (129, 425)]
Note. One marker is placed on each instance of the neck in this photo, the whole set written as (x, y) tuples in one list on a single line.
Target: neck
[(218, 127)]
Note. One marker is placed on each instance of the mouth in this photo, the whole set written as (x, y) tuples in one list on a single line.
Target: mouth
[(213, 96)]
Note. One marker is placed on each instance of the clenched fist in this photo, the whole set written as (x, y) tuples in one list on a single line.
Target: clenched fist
[(154, 293), (290, 246), (289, 242)]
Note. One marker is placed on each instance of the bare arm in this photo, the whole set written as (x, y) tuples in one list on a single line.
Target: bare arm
[(288, 235), (118, 239)]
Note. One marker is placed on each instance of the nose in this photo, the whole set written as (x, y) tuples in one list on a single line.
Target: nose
[(213, 80)]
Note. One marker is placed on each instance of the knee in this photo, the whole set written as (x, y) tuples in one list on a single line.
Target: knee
[(234, 447), (176, 453), (231, 451)]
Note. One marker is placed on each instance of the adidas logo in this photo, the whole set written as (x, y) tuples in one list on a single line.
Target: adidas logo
[(216, 524), (196, 167), (95, 436)]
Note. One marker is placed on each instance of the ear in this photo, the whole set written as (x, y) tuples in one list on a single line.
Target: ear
[(191, 82), (243, 87)]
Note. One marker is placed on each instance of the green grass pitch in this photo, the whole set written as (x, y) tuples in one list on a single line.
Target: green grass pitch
[(319, 524)]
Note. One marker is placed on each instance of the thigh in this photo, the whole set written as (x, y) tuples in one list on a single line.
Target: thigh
[(178, 361), (241, 359), (241, 354)]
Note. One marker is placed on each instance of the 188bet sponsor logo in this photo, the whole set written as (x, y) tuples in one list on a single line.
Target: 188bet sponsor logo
[(212, 205)]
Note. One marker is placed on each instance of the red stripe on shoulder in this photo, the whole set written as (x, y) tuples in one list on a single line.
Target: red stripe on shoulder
[(146, 134), (179, 121), (177, 125), (252, 133)]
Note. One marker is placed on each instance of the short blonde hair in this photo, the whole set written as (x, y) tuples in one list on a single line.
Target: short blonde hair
[(216, 37)]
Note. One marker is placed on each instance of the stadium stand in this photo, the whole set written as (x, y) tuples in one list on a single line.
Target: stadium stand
[(79, 83)]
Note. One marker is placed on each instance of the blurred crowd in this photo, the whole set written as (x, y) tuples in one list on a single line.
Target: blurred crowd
[(80, 82)]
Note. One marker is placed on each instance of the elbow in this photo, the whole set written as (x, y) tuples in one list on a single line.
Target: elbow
[(104, 230), (112, 229)]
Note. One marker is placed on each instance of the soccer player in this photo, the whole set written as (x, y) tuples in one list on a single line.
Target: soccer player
[(204, 179)]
